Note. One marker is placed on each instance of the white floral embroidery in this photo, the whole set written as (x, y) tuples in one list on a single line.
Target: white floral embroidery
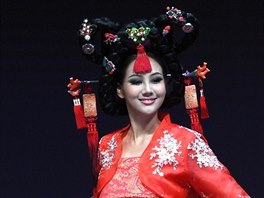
[(107, 155), (165, 153), (202, 152)]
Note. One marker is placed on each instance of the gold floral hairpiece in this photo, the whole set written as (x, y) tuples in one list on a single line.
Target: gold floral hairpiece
[(138, 35)]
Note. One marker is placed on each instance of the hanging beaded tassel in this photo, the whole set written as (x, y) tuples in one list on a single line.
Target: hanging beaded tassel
[(90, 114), (191, 105), (86, 116)]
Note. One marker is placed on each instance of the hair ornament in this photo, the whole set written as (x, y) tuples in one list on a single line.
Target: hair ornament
[(177, 14), (142, 62), (189, 74), (166, 30), (111, 38), (87, 29), (88, 48), (138, 35), (86, 32), (174, 13), (74, 87), (109, 66), (191, 100), (85, 112), (200, 72), (187, 28)]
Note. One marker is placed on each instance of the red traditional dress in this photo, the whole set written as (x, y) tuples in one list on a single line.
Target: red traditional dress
[(126, 181), (177, 163)]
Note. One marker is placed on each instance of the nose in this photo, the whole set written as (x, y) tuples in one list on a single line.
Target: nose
[(147, 90)]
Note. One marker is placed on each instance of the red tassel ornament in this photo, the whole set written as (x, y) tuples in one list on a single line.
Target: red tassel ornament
[(90, 113), (86, 117), (203, 106), (74, 87), (191, 104), (78, 113), (195, 122), (142, 63), (92, 139), (201, 74)]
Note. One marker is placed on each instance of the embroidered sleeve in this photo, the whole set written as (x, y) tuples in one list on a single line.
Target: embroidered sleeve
[(207, 175), (202, 154), (106, 153)]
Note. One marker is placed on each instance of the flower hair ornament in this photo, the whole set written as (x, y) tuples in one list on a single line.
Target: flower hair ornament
[(109, 45)]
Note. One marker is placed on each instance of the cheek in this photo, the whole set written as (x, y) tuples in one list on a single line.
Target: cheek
[(161, 89), (130, 91)]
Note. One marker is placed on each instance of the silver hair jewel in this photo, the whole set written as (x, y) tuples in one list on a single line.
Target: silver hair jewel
[(187, 28), (174, 13), (86, 32), (177, 14), (88, 48), (87, 29)]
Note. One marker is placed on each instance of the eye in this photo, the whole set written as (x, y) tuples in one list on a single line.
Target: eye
[(156, 80), (135, 81)]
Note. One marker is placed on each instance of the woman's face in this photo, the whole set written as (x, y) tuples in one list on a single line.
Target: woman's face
[(144, 93)]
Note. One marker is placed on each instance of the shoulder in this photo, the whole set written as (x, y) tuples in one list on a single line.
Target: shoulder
[(112, 136), (108, 137), (184, 132), (191, 133), (178, 131)]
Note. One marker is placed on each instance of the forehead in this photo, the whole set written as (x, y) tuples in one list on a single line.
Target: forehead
[(156, 67)]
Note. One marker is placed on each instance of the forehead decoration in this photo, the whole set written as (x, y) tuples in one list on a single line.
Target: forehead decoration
[(138, 35)]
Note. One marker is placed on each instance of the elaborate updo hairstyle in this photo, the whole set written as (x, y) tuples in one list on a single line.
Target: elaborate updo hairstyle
[(107, 43)]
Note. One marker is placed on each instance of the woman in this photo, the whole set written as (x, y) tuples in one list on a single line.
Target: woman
[(150, 157)]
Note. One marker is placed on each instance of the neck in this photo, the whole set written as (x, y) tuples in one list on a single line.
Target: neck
[(143, 126)]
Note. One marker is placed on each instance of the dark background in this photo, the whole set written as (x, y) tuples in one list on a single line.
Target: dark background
[(42, 153)]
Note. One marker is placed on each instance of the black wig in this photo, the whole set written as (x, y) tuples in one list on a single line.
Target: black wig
[(118, 50)]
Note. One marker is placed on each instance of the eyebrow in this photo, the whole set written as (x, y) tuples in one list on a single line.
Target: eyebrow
[(139, 75)]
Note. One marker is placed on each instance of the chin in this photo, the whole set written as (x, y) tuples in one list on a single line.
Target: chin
[(148, 111)]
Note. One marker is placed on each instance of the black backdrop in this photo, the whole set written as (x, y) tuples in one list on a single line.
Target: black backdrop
[(43, 155)]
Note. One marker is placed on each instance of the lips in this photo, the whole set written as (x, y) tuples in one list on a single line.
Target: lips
[(147, 101)]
